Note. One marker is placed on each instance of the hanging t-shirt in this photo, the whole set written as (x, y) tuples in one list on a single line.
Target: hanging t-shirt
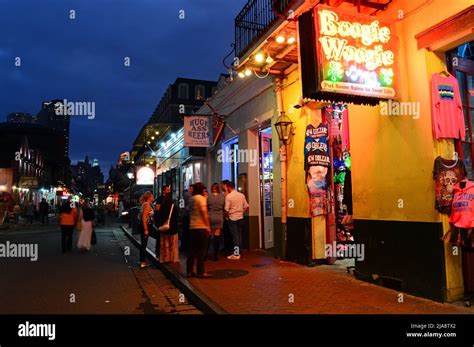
[(463, 206), (316, 147), (446, 110), (447, 173), (317, 163)]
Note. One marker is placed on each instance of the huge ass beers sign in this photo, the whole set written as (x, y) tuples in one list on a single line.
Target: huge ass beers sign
[(197, 131), (356, 54)]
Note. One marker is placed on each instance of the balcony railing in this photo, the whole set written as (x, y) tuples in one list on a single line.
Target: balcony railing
[(253, 21)]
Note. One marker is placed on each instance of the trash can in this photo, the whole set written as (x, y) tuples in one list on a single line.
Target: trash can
[(134, 219)]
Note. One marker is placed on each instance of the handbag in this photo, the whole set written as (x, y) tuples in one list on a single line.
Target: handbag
[(166, 225)]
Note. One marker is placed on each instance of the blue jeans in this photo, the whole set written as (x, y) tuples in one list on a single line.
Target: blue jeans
[(236, 229)]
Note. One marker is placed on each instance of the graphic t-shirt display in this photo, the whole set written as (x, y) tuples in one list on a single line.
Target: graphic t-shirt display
[(317, 163), (446, 111), (447, 173), (463, 206)]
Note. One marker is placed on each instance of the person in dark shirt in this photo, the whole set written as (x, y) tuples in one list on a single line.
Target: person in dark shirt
[(44, 211)]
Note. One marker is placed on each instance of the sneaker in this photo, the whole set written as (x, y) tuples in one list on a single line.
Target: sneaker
[(144, 265), (233, 257)]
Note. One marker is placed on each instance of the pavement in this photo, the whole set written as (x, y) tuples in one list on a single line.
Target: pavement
[(106, 280), (259, 284)]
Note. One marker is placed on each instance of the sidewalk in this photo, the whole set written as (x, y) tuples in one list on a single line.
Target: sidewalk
[(259, 284)]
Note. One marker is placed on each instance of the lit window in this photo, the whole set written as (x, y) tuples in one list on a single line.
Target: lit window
[(200, 92)]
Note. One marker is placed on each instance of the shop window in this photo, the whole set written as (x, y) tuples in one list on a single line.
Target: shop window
[(461, 65), (183, 91)]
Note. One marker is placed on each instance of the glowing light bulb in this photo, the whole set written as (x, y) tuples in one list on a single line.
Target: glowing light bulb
[(291, 40), (280, 39), (241, 74), (248, 72), (259, 58)]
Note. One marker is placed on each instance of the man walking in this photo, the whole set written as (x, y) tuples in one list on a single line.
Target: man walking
[(235, 206), (44, 211)]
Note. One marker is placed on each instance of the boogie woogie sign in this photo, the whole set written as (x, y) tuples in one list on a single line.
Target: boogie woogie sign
[(356, 54)]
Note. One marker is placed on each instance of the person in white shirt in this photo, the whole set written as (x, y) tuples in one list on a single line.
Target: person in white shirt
[(235, 206)]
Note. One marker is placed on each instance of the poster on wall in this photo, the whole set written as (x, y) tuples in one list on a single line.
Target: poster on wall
[(145, 176), (197, 131), (356, 54), (317, 163)]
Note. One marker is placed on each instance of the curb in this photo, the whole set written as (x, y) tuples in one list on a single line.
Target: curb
[(194, 295)]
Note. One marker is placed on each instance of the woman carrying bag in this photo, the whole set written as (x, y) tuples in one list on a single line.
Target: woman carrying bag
[(168, 221)]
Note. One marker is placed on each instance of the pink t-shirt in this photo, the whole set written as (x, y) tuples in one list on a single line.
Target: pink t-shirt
[(463, 206), (446, 111)]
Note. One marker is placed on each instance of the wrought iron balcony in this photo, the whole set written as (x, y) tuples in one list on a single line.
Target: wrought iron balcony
[(255, 19)]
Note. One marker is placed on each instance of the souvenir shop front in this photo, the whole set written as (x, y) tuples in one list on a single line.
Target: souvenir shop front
[(383, 143)]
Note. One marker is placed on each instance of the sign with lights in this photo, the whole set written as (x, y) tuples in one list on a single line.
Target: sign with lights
[(145, 176), (356, 54), (197, 131)]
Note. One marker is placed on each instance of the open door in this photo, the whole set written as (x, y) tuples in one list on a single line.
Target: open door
[(266, 188)]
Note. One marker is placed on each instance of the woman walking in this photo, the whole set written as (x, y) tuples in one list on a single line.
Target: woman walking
[(146, 225), (87, 226), (67, 220), (199, 232), (215, 204), (168, 216)]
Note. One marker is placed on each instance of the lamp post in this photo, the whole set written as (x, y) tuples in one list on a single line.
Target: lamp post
[(130, 177), (284, 128)]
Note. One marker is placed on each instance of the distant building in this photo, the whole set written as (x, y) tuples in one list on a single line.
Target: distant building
[(87, 177), (30, 150), (49, 118), (21, 118)]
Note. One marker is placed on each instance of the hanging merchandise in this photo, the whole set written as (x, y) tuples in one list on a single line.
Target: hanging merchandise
[(447, 113), (337, 116), (447, 173), (317, 164), (463, 205)]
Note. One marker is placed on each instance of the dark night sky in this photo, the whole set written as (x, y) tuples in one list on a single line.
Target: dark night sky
[(82, 60)]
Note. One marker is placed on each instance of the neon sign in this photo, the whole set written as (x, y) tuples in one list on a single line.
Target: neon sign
[(356, 54)]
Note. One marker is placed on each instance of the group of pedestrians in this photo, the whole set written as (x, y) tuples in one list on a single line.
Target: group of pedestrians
[(159, 219), (206, 217), (29, 211), (209, 214), (72, 217)]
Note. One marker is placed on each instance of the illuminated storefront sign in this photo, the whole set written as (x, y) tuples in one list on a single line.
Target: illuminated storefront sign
[(356, 54), (145, 176)]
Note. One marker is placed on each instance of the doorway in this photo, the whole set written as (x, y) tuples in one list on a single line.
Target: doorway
[(266, 187)]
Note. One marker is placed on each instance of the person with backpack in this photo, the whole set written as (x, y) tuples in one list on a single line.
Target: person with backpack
[(168, 222), (146, 225)]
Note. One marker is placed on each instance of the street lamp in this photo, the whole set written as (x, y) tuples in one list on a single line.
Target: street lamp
[(284, 128)]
